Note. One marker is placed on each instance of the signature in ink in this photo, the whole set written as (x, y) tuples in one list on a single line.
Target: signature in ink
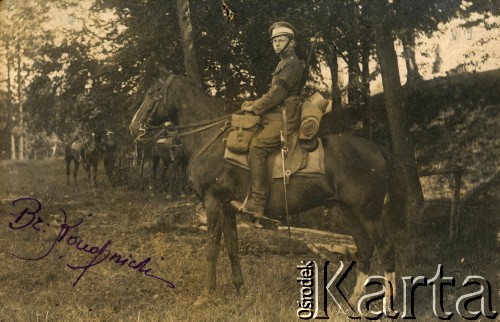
[(30, 217)]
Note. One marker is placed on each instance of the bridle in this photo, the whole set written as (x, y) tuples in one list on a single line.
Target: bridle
[(175, 131), (145, 125), (152, 133)]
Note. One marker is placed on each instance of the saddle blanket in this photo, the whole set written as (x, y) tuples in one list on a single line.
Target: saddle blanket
[(300, 162)]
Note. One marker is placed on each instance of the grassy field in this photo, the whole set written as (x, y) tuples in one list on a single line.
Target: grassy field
[(141, 225)]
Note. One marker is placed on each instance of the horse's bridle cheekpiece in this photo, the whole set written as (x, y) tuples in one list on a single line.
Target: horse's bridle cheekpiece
[(144, 125)]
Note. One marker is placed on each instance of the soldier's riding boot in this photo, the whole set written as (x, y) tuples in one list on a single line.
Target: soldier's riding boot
[(256, 202)]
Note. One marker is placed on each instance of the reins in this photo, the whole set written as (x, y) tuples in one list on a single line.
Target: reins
[(196, 127), (162, 130)]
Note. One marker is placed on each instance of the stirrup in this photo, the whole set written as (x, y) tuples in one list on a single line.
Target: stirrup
[(239, 206)]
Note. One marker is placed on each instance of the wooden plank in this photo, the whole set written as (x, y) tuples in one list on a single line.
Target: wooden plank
[(317, 241)]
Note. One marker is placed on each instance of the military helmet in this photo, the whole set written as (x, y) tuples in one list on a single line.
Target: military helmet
[(282, 28)]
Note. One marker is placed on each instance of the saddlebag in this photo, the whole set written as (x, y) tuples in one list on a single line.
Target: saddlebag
[(243, 127)]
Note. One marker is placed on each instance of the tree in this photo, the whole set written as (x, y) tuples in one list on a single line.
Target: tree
[(408, 39), (412, 17), (394, 101), (19, 46), (190, 57), (150, 34)]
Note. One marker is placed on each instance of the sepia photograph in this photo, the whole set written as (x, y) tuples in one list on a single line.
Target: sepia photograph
[(249, 160)]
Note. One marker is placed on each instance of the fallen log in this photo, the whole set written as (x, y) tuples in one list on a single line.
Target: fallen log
[(318, 242)]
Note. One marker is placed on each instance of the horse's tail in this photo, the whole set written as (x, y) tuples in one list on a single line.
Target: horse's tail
[(396, 199)]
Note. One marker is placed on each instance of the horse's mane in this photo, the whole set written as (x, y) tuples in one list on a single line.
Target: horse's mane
[(186, 94)]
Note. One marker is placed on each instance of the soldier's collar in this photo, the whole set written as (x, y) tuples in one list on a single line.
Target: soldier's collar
[(289, 53)]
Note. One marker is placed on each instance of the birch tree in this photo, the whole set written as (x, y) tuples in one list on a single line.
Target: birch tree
[(19, 47)]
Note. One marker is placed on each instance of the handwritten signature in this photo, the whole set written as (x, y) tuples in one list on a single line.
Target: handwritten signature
[(30, 217)]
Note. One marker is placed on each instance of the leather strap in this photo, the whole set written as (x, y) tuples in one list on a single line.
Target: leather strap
[(203, 148)]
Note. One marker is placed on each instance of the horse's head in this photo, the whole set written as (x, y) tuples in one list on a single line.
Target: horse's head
[(176, 99), (91, 142), (154, 103)]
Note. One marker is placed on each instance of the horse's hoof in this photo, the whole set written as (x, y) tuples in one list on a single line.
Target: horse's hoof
[(237, 288)]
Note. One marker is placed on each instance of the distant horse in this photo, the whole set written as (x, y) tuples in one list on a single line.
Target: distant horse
[(86, 152), (109, 148), (358, 177), (73, 152), (173, 169)]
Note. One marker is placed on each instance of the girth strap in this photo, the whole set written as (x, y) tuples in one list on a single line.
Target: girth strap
[(212, 140)]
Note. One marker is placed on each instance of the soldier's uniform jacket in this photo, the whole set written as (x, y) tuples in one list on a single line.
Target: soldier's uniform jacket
[(284, 89)]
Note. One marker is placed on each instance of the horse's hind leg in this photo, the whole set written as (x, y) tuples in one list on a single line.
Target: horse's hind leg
[(232, 245), (385, 248), (180, 180), (364, 252)]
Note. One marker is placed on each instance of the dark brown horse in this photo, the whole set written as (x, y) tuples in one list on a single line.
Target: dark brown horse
[(168, 167), (109, 148), (88, 153), (173, 171), (73, 152), (359, 178)]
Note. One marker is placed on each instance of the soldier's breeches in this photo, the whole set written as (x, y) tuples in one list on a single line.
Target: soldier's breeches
[(263, 144)]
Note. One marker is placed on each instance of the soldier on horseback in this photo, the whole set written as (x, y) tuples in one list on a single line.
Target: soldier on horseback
[(285, 86)]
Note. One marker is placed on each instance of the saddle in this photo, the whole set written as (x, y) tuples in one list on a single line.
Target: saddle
[(306, 153), (303, 159), (300, 161)]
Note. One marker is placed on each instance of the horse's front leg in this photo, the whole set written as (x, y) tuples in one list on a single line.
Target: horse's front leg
[(215, 221), (94, 175), (75, 172), (68, 165), (87, 171), (154, 173), (232, 245)]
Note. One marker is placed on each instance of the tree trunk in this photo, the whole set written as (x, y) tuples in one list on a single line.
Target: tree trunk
[(354, 84), (10, 123), (395, 107), (12, 147), (365, 89), (334, 70), (191, 63), (20, 102), (436, 67), (408, 40)]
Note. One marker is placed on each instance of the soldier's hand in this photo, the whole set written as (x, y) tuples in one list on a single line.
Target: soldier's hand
[(247, 106)]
